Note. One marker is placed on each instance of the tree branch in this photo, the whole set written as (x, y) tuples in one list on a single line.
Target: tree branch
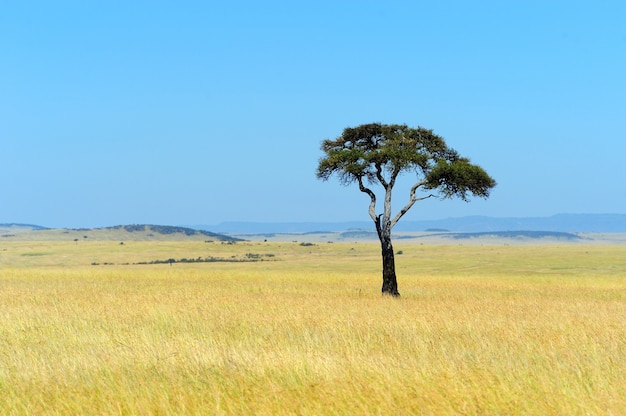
[(386, 218), (394, 175), (372, 195), (379, 175), (412, 200)]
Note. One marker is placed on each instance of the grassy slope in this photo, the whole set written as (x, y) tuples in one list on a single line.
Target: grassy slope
[(479, 330)]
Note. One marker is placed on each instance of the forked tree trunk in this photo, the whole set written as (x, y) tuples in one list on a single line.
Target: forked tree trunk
[(390, 284)]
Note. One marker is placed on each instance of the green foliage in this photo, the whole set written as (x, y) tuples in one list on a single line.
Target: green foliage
[(379, 153), (458, 178)]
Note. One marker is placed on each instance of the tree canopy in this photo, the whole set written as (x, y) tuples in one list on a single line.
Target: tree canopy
[(378, 152)]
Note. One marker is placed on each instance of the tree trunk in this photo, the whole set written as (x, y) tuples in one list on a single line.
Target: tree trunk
[(390, 284)]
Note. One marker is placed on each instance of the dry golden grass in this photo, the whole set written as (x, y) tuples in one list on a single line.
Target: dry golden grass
[(478, 330)]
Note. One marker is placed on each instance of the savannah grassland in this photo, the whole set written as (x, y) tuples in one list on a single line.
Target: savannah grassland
[(479, 330)]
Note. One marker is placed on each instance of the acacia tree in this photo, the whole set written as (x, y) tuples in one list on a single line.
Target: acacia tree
[(378, 153)]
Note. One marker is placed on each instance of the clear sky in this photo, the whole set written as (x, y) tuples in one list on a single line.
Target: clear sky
[(199, 112)]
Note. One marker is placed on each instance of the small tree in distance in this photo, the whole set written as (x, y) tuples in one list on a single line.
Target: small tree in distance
[(378, 153)]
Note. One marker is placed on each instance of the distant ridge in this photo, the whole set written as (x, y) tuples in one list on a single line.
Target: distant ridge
[(568, 223), (133, 232), (557, 235), (169, 230), (26, 226)]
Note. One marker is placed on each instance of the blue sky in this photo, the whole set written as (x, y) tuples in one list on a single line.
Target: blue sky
[(199, 112)]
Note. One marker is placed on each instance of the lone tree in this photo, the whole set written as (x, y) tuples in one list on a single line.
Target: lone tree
[(378, 153)]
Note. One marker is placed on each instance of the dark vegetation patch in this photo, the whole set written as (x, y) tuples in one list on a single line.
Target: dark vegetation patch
[(247, 258), (358, 234), (169, 230)]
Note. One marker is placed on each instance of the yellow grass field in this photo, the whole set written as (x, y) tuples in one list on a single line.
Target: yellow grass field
[(479, 330)]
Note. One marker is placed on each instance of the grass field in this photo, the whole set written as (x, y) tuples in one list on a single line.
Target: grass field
[(479, 330)]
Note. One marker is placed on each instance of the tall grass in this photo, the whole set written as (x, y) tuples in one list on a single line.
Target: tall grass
[(478, 330)]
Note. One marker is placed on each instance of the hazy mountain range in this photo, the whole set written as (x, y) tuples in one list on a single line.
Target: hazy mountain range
[(568, 223), (582, 223)]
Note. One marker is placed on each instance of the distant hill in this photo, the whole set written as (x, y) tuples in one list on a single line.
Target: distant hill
[(13, 227), (568, 223), (167, 230), (556, 235), (135, 232)]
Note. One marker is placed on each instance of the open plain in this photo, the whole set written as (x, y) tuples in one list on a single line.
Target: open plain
[(273, 328)]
